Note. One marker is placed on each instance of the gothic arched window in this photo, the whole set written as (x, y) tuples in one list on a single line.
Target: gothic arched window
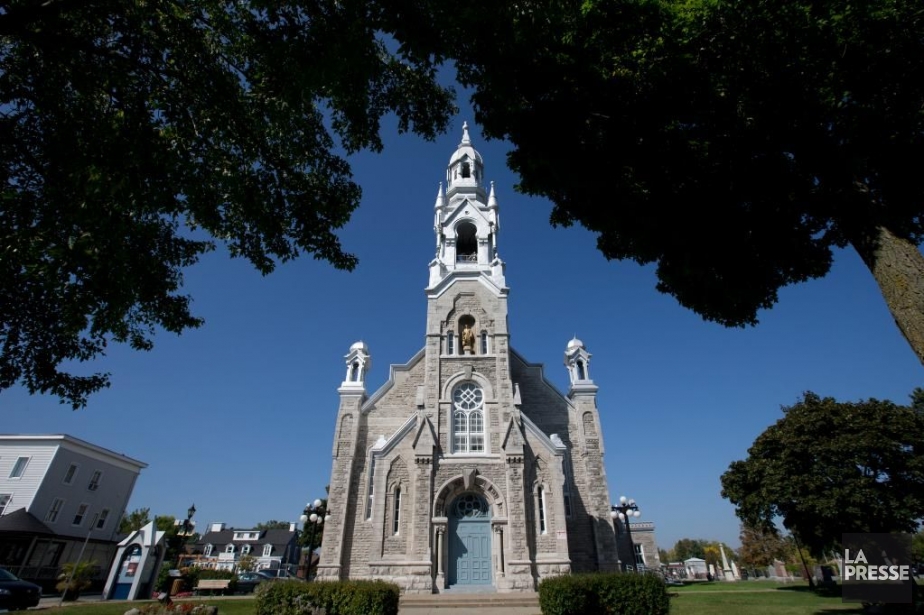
[(468, 419)]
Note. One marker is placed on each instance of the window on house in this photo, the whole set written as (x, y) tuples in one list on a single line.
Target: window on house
[(101, 520), (54, 511), (397, 510), (468, 419), (80, 514), (94, 480), (245, 550), (208, 550), (229, 548), (267, 550), (5, 499), (19, 467), (70, 474), (541, 510), (639, 555)]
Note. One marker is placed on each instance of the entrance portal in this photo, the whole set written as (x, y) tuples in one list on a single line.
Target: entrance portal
[(469, 541)]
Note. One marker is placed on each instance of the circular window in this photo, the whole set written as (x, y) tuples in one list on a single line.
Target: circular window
[(468, 397), (471, 505)]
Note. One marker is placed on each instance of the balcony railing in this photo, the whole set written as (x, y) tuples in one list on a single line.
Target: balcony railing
[(467, 258)]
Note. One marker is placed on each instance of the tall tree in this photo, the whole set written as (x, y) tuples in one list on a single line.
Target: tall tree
[(761, 547), (135, 520), (685, 548), (830, 467), (734, 144), (134, 136)]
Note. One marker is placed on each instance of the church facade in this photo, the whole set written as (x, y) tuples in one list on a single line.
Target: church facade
[(467, 467)]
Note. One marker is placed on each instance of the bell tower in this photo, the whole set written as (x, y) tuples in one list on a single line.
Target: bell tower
[(466, 222)]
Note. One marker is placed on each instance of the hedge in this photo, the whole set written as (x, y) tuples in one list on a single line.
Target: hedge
[(335, 597), (604, 593)]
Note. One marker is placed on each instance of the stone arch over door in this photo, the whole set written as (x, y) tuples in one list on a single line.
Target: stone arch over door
[(469, 480), (447, 496)]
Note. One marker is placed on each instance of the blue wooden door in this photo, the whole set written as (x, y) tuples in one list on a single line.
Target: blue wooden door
[(469, 541)]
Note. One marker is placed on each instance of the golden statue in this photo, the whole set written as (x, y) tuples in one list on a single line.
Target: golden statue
[(468, 340)]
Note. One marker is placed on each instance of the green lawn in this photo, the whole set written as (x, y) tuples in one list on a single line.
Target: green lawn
[(756, 598)]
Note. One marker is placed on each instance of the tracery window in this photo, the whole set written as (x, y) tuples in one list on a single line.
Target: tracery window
[(468, 419)]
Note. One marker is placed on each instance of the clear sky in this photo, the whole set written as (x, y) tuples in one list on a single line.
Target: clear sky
[(238, 416)]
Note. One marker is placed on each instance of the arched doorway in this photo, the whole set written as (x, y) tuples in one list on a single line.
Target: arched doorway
[(469, 541)]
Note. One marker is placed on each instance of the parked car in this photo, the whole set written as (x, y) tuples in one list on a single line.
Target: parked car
[(16, 594), (247, 581)]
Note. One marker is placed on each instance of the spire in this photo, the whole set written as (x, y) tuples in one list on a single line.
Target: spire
[(440, 198), (466, 221), (492, 200), (465, 138)]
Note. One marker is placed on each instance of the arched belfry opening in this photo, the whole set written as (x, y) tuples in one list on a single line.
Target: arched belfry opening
[(467, 242)]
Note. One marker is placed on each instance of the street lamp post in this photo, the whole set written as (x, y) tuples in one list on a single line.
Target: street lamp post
[(185, 531), (314, 515), (626, 509)]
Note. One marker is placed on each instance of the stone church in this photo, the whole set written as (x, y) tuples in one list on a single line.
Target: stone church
[(467, 467)]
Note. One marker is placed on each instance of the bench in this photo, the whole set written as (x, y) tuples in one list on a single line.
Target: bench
[(212, 585)]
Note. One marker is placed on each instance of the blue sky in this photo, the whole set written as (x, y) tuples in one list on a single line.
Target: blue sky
[(238, 416)]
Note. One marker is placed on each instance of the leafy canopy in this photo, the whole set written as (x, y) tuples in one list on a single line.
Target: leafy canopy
[(732, 144), (134, 136), (830, 467)]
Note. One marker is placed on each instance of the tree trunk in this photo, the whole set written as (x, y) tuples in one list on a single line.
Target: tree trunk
[(898, 267)]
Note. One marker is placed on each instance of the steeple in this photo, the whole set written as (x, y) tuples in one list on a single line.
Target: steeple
[(466, 222)]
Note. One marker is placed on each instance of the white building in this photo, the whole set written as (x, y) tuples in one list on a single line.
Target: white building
[(468, 467), (55, 491)]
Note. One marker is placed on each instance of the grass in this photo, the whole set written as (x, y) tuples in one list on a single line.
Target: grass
[(756, 598)]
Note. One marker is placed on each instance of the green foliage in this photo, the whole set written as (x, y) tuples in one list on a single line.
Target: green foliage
[(76, 576), (137, 136), (917, 546), (135, 520), (685, 548), (794, 127), (272, 525), (760, 547), (622, 594), (336, 598), (831, 467), (246, 563)]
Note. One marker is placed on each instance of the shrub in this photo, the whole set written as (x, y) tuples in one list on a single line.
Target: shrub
[(76, 577), (335, 597), (610, 593)]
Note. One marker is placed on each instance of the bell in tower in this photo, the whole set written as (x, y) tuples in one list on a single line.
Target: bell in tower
[(466, 222)]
